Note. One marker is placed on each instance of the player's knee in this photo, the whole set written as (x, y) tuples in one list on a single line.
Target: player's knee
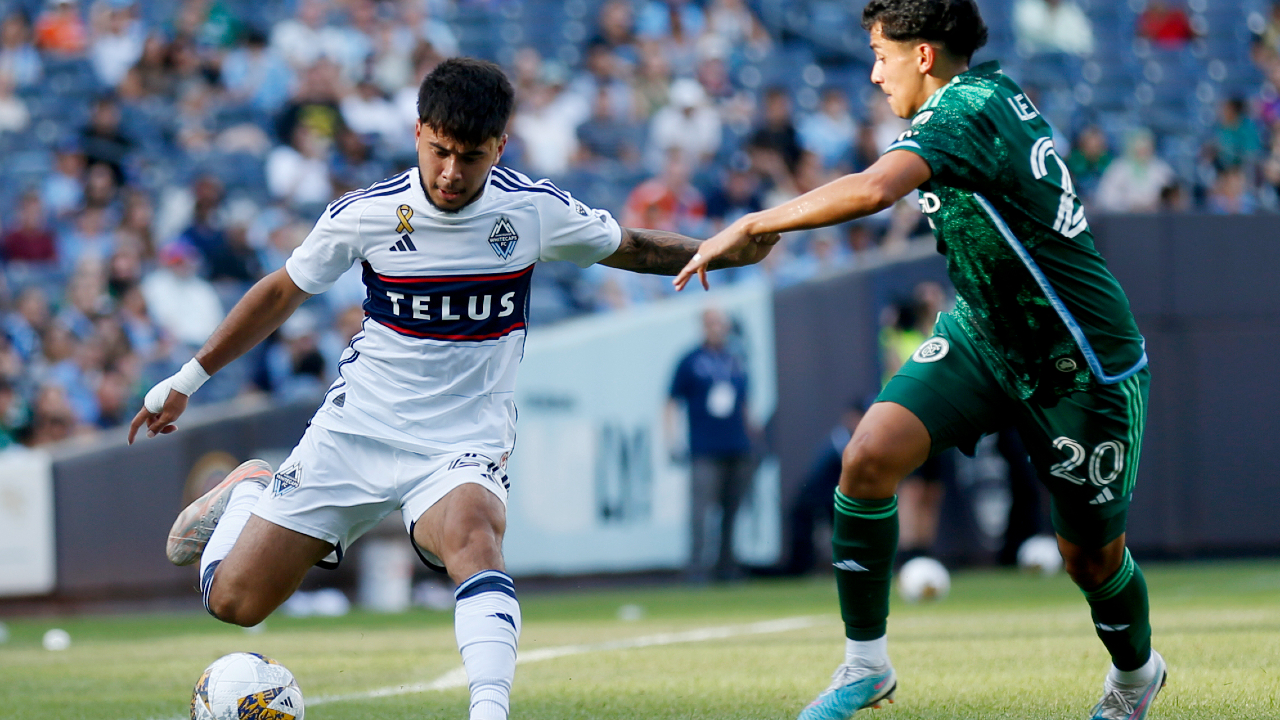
[(869, 469), (235, 608), (1088, 569)]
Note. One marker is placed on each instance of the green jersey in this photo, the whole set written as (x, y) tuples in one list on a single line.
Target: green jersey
[(1032, 290)]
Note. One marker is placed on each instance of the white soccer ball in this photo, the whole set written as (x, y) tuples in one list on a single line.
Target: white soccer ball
[(923, 578), (246, 686), (1039, 554), (56, 639)]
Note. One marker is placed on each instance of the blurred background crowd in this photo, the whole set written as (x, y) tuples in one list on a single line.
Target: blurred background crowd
[(159, 157)]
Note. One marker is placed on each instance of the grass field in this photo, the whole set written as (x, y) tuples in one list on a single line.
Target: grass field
[(1002, 645)]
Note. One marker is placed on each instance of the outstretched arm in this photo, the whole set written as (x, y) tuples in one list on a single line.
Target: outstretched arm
[(659, 252), (853, 196), (263, 309)]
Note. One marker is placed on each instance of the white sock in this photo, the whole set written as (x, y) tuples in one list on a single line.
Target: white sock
[(1142, 676), (486, 620), (869, 653), (243, 497)]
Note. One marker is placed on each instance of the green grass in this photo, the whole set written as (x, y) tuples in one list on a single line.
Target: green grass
[(1002, 645)]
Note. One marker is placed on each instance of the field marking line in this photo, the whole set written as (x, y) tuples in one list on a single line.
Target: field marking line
[(457, 677)]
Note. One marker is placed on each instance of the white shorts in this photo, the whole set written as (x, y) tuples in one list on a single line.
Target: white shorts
[(336, 486)]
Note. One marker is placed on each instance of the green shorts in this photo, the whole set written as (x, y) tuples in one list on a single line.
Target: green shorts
[(1084, 446)]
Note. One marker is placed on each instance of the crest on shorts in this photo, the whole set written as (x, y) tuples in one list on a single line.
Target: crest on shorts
[(1065, 365), (286, 480), (503, 237), (932, 350)]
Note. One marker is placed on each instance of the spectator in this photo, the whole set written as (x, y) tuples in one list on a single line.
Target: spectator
[(1132, 183), (31, 240), (135, 229), (603, 137), (183, 305), (1231, 194), (84, 299), (254, 73), (547, 122), (737, 194), (11, 409), (604, 73), (314, 105), (52, 419), (1164, 25), (298, 173), (689, 124), (63, 189), (1238, 139), (420, 25), (711, 383), (1174, 198), (103, 141), (366, 111), (71, 365), (830, 132), (118, 37), (60, 30), (736, 26), (295, 367), (26, 323), (676, 26), (616, 29), (1052, 26), (14, 116), (653, 80), (667, 202), (353, 165), (89, 238), (1088, 160), (777, 130), (222, 260), (18, 57), (306, 37), (153, 69), (151, 344), (100, 190)]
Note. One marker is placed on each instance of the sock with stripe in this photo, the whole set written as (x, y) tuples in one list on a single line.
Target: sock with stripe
[(1121, 616), (487, 624), (239, 507), (864, 541)]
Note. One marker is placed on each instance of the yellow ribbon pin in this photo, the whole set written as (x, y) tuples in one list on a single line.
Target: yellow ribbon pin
[(405, 212)]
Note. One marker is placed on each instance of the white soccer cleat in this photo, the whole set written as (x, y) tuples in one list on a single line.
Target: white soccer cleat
[(1130, 702), (191, 531)]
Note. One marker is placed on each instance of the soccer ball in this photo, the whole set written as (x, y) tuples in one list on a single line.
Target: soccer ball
[(246, 686), (1039, 554), (923, 578)]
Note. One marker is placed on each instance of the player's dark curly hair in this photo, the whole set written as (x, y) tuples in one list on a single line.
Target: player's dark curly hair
[(955, 24), (467, 100)]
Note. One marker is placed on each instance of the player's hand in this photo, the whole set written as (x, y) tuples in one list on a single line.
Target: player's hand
[(734, 245), (159, 423)]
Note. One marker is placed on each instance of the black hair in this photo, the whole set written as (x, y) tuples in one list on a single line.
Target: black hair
[(955, 24), (466, 100)]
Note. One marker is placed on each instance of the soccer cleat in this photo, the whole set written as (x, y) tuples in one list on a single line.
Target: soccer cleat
[(1129, 702), (853, 687), (191, 531)]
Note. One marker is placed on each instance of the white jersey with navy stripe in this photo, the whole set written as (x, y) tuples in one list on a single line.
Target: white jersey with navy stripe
[(447, 303)]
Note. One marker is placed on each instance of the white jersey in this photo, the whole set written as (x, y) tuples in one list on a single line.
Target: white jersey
[(447, 304)]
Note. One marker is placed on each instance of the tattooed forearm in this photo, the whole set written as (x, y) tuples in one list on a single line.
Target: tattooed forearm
[(656, 252)]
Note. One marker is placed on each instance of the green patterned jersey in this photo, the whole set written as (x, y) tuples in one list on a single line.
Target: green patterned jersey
[(1032, 290)]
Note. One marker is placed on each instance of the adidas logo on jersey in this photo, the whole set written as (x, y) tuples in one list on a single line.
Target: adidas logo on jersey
[(850, 565), (1103, 497), (404, 244)]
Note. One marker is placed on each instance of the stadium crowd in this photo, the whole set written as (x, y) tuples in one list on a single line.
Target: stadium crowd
[(161, 157)]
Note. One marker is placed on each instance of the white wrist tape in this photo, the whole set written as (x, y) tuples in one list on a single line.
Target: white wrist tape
[(186, 381)]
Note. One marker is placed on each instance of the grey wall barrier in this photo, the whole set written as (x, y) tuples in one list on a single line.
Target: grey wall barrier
[(1205, 294), (114, 503)]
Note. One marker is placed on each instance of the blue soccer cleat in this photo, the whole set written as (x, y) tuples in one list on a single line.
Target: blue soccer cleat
[(853, 687), (1130, 702)]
